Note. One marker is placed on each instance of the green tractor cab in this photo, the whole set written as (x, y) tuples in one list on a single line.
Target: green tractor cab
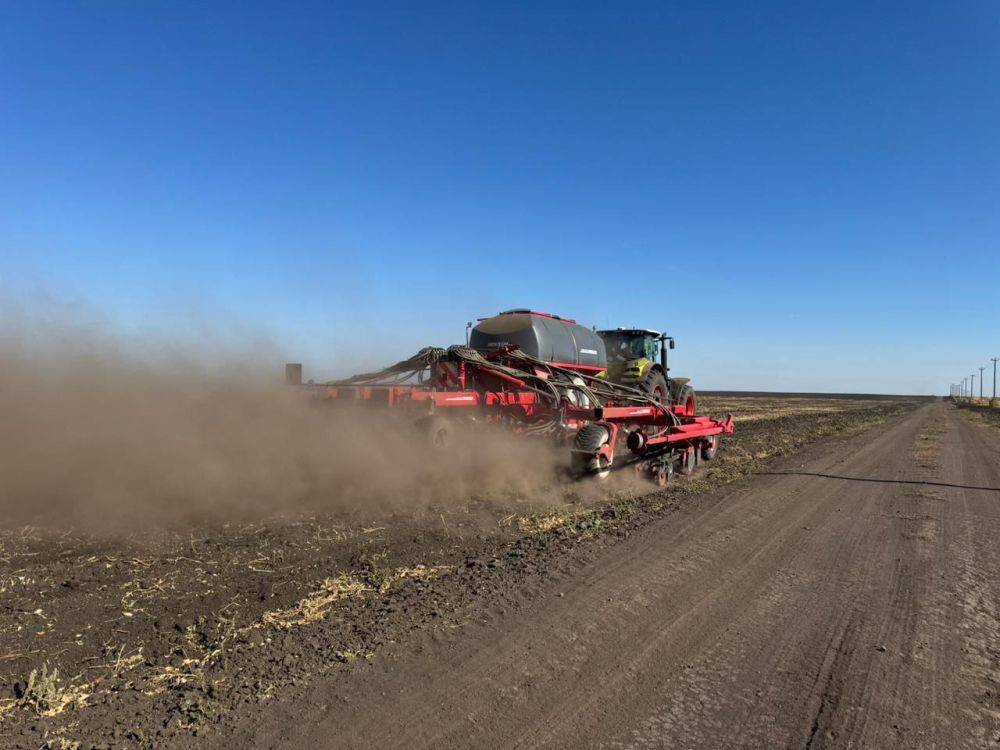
[(637, 357)]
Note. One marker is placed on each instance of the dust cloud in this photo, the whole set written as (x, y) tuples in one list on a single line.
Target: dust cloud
[(104, 430)]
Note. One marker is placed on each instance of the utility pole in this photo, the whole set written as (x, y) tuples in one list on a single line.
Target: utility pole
[(981, 382), (972, 386), (994, 361)]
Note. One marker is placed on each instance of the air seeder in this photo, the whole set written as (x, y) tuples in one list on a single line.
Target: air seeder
[(538, 374)]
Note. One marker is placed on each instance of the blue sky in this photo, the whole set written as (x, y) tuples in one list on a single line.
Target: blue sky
[(807, 196)]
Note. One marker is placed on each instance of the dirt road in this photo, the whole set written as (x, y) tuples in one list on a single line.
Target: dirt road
[(849, 598)]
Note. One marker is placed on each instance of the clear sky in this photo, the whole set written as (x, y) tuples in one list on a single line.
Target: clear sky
[(806, 195)]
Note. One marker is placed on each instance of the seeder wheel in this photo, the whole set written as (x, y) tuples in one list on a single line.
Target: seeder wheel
[(709, 448), (689, 461), (662, 474), (436, 432), (586, 459)]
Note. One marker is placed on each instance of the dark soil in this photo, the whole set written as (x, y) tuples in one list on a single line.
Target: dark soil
[(160, 640)]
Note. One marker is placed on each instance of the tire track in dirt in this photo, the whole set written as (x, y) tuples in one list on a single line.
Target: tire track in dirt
[(973, 458), (750, 721), (918, 694)]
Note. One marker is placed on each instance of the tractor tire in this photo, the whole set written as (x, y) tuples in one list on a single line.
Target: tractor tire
[(685, 396), (586, 443), (656, 386)]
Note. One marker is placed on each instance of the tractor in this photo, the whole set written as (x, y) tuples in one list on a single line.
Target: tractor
[(637, 357)]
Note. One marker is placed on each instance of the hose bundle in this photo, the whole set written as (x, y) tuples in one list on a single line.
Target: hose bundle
[(555, 384), (399, 372)]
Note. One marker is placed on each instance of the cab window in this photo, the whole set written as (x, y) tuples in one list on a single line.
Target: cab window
[(651, 349)]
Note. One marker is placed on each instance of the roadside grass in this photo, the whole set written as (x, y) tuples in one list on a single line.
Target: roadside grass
[(980, 403), (979, 413)]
